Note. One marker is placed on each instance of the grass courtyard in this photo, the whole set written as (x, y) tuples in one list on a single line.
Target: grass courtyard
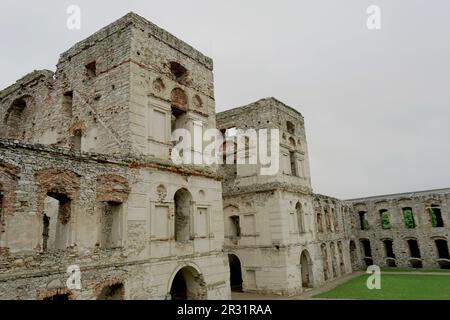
[(394, 287)]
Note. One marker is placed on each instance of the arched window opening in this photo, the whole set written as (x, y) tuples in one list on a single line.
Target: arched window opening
[(15, 119), (435, 216), (414, 251), (183, 210), (363, 223), (367, 251), (300, 217), (188, 284), (235, 228), (319, 220), (292, 142), (341, 258), (324, 252), (306, 269), (442, 249)]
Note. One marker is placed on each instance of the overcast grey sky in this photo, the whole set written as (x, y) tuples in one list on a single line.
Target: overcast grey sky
[(376, 103)]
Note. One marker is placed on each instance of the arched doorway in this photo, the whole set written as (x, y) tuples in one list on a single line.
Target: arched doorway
[(353, 255), (183, 200), (306, 269), (235, 273), (188, 284)]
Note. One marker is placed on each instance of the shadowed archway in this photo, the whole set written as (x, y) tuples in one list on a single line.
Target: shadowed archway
[(188, 284), (235, 273), (306, 270)]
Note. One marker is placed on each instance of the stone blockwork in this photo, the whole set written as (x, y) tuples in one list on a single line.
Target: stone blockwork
[(144, 258), (86, 178)]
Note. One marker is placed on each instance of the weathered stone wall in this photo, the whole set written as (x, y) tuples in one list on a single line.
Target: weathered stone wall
[(282, 253), (333, 236), (423, 232), (166, 73), (269, 114), (108, 171), (25, 107), (147, 258)]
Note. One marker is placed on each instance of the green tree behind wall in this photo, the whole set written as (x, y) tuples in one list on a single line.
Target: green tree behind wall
[(385, 223), (409, 218)]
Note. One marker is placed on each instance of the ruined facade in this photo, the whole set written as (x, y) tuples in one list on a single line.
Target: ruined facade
[(285, 238), (282, 236), (86, 178), (403, 230), (290, 238), (87, 181)]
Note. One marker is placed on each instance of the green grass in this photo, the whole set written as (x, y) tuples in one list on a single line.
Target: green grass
[(394, 287), (414, 270)]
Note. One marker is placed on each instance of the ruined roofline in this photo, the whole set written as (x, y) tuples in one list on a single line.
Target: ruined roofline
[(25, 80), (131, 161), (132, 19), (276, 103), (330, 198), (401, 195)]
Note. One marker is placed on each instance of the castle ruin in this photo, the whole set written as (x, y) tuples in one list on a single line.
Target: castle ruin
[(86, 180)]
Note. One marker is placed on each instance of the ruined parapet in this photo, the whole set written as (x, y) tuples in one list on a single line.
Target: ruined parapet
[(293, 161), (23, 106)]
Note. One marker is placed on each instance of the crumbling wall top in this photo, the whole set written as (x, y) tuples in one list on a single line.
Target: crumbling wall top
[(132, 19), (396, 196), (270, 101), (27, 79)]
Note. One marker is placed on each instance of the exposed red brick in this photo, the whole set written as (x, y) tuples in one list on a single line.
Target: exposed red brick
[(112, 188), (53, 292), (107, 283), (56, 181)]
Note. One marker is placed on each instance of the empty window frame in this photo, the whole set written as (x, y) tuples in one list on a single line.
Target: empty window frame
[(363, 223), (435, 216), (414, 250), (442, 249)]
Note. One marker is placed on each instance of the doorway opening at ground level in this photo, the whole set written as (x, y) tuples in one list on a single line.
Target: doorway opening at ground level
[(188, 284), (235, 273)]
